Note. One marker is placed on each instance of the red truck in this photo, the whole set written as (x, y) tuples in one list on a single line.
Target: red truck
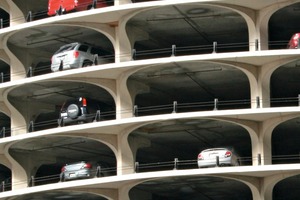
[(57, 7)]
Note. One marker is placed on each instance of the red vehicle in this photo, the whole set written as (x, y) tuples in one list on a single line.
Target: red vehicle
[(57, 7), (294, 41)]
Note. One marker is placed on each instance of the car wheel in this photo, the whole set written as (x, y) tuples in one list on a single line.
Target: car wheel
[(87, 63), (73, 111)]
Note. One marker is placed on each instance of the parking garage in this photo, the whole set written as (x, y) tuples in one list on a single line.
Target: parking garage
[(191, 77)]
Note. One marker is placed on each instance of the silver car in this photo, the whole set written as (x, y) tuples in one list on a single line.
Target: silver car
[(74, 55), (227, 157), (79, 170)]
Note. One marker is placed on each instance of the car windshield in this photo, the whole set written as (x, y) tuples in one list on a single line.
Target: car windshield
[(66, 48)]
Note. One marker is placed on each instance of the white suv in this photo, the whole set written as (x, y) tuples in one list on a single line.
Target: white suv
[(74, 55)]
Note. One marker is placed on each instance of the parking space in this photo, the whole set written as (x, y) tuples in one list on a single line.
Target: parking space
[(5, 130), (40, 44), (285, 85), (193, 28), (5, 18), (185, 139), (193, 85), (5, 178), (44, 101), (285, 142), (282, 28), (58, 151), (282, 190)]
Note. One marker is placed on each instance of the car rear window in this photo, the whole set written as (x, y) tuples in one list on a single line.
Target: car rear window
[(66, 48), (95, 50), (83, 48)]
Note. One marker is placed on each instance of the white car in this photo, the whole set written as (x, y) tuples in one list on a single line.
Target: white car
[(227, 157), (74, 55)]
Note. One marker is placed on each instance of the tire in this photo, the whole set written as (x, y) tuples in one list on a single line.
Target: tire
[(87, 63), (73, 111)]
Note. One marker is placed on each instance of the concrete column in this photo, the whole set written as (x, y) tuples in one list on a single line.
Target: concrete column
[(17, 121), (17, 68), (128, 146), (124, 101), (125, 158), (15, 13), (18, 174), (126, 37)]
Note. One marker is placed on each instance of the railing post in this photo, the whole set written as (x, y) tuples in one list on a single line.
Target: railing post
[(94, 4), (216, 102), (29, 73), (175, 163), (256, 44), (173, 50), (98, 172), (133, 54), (32, 181), (1, 23), (97, 117), (215, 44), (3, 131), (96, 58), (174, 107), (2, 77), (298, 99), (135, 110), (31, 126), (136, 167), (29, 17), (217, 161), (3, 186), (257, 102), (259, 159)]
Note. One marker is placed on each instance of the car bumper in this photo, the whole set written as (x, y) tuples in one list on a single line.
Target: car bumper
[(84, 119), (213, 162), (77, 175), (56, 67)]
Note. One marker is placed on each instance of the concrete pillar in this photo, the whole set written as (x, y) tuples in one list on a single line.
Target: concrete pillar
[(14, 11), (128, 147), (124, 101), (17, 68), (125, 38), (17, 121), (18, 174)]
